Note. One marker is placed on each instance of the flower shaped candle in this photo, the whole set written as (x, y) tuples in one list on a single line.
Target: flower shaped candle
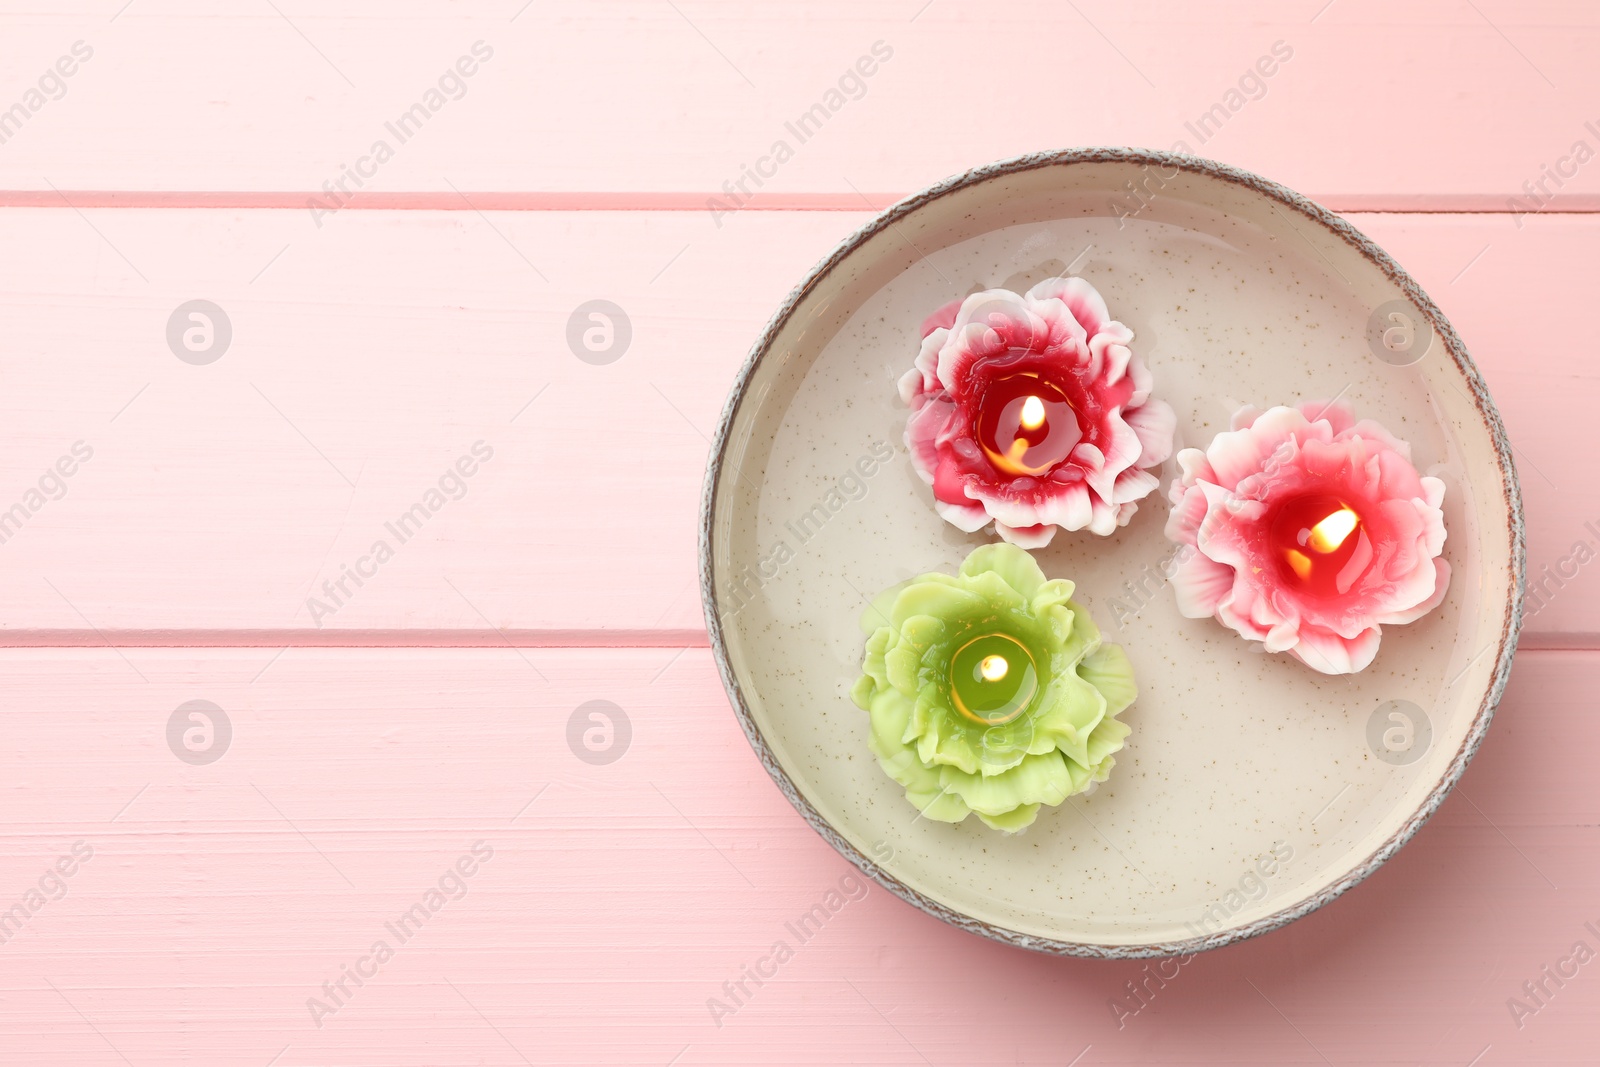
[(1033, 412), (990, 691), (1309, 531)]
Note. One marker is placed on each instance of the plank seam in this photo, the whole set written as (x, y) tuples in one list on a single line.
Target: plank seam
[(420, 639), (374, 638), (425, 200)]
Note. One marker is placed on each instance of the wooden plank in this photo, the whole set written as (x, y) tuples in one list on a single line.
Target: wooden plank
[(369, 357), (1531, 349), (620, 897), (321, 428), (645, 97)]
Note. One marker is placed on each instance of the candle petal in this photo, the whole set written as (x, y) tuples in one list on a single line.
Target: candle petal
[(1133, 484), (1108, 670), (1200, 584), (1030, 537), (1400, 616), (1070, 509), (1018, 570), (1331, 654), (1155, 423), (968, 518)]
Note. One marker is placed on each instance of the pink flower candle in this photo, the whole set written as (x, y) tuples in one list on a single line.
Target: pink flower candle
[(1032, 411), (1308, 531)]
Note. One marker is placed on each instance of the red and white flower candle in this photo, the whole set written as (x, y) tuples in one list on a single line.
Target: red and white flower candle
[(1032, 411)]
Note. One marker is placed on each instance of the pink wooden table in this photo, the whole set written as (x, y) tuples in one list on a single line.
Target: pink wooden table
[(190, 510)]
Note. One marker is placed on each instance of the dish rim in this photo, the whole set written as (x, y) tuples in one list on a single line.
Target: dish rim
[(1510, 627)]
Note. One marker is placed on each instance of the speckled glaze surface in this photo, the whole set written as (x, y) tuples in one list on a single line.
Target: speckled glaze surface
[(1252, 790)]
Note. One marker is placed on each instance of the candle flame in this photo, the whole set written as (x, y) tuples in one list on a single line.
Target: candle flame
[(1032, 413), (1331, 532), (1300, 562), (993, 668)]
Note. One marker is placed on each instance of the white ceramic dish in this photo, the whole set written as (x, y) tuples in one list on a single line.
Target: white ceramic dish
[(1252, 789)]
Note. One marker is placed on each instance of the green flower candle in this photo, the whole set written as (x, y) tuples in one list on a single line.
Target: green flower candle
[(990, 691)]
